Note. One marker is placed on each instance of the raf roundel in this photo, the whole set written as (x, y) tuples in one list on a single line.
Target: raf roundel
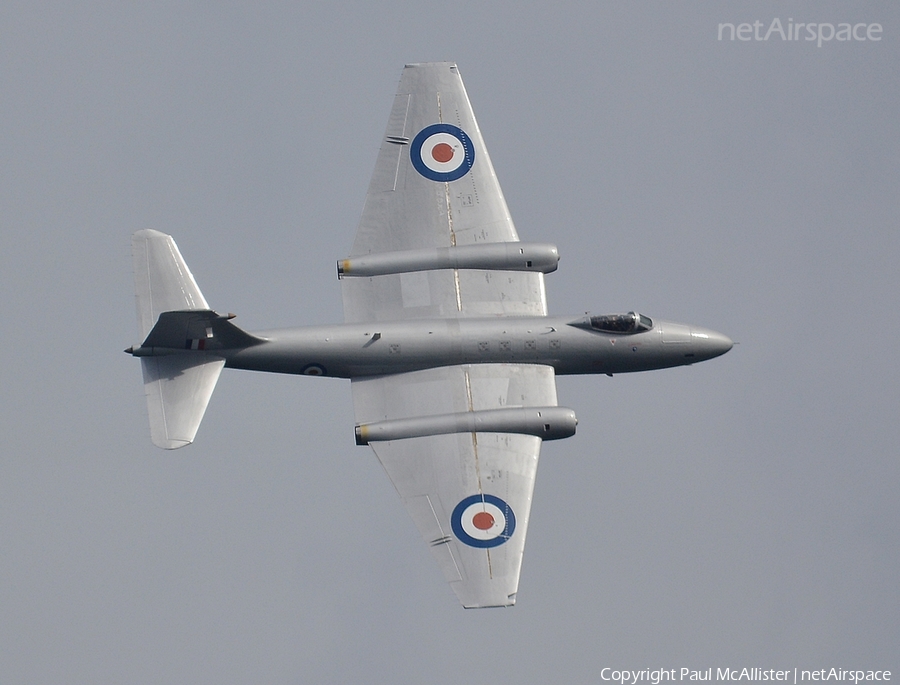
[(483, 521), (442, 152)]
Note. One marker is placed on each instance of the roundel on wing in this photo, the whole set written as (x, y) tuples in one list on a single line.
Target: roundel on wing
[(313, 370), (442, 152), (483, 521)]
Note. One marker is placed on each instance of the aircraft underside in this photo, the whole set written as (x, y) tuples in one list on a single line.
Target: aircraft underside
[(447, 343), (352, 350)]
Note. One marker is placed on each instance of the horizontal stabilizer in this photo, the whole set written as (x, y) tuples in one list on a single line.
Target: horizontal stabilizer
[(162, 281), (178, 388), (181, 334)]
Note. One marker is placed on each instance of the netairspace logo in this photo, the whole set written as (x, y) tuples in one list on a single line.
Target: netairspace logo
[(821, 33)]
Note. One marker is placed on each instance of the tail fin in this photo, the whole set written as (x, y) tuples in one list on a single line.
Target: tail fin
[(181, 335)]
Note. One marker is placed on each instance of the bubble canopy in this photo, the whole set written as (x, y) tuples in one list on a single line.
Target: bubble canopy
[(632, 322)]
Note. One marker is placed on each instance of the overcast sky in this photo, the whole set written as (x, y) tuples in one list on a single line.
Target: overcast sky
[(742, 512)]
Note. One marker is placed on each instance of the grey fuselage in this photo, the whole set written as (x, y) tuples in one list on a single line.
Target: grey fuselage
[(569, 344)]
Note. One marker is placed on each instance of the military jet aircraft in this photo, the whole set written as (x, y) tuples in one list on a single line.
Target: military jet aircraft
[(450, 352)]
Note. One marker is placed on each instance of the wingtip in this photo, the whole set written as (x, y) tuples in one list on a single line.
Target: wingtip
[(510, 602), (168, 444)]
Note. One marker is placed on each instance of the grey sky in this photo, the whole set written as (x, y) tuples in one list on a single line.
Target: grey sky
[(742, 512)]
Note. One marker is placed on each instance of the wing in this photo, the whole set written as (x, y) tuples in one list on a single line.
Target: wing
[(434, 187), (468, 493)]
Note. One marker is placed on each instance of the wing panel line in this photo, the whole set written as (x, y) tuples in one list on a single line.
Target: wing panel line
[(400, 151), (471, 404), (445, 538)]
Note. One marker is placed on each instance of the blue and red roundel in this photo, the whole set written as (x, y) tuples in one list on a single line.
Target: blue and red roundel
[(442, 152), (483, 521)]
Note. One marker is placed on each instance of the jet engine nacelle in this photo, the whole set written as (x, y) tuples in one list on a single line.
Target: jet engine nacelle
[(547, 423), (539, 257)]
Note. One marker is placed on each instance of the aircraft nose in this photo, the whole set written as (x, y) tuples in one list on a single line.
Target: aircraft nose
[(709, 344)]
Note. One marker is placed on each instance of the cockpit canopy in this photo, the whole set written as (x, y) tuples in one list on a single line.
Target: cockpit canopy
[(631, 322)]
